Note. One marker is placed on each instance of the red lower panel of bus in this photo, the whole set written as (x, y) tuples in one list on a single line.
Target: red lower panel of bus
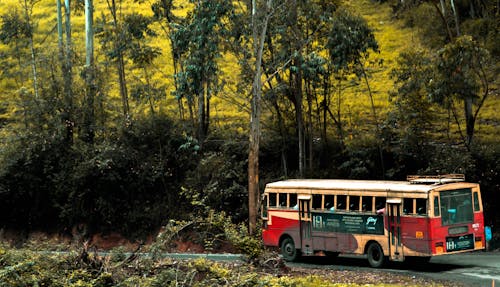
[(427, 235), (280, 225), (420, 234)]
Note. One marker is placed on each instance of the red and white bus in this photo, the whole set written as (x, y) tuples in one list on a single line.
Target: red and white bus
[(419, 218)]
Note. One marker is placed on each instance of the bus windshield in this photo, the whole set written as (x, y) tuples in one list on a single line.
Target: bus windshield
[(456, 206)]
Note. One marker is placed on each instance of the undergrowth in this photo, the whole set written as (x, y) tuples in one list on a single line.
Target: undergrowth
[(83, 269)]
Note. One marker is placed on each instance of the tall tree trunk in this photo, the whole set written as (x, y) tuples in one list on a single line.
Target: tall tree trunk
[(310, 127), (455, 16), (469, 120), (120, 63), (67, 71), (89, 121), (375, 119), (201, 114), (297, 90), (27, 14), (254, 137)]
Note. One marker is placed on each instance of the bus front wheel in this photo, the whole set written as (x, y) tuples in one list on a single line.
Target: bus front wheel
[(375, 255), (288, 250)]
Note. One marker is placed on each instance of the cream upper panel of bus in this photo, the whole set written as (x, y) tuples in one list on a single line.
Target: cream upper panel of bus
[(350, 187)]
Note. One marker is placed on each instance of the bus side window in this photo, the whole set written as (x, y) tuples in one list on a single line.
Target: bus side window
[(341, 202), (408, 206), (272, 199), (264, 206), (317, 201), (379, 203), (282, 199), (476, 201), (353, 203), (421, 206), (367, 203), (436, 206), (329, 202), (293, 200)]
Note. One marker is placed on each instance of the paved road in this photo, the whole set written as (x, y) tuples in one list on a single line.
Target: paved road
[(470, 269)]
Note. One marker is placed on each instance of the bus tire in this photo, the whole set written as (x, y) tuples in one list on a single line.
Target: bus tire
[(375, 254), (288, 250)]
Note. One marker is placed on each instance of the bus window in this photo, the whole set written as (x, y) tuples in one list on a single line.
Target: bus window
[(436, 206), (354, 203), (341, 202), (476, 201), (293, 200), (456, 206), (408, 206), (282, 199), (379, 204), (272, 199), (317, 198), (264, 206), (421, 206), (367, 203), (329, 202)]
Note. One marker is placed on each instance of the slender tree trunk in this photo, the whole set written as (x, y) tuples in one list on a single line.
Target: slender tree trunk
[(27, 15), (310, 127), (89, 73), (120, 63), (67, 69), (377, 128), (469, 120), (297, 90), (201, 114), (60, 31), (455, 16), (259, 36)]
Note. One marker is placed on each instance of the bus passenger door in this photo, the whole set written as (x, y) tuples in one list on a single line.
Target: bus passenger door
[(305, 224), (394, 225)]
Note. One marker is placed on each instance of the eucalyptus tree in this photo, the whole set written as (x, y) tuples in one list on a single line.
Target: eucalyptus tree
[(349, 43), (17, 32), (28, 6), (261, 12), (295, 35), (89, 74), (66, 60), (143, 55), (199, 40), (163, 12), (114, 41), (461, 77), (412, 119)]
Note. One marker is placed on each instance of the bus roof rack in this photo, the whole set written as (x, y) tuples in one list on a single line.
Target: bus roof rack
[(436, 179)]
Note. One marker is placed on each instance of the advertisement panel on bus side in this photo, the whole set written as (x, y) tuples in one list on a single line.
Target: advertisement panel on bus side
[(348, 223)]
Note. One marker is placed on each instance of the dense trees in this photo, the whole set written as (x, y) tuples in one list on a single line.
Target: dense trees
[(102, 147)]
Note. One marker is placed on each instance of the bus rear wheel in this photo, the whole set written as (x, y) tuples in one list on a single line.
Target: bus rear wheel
[(375, 255), (288, 250)]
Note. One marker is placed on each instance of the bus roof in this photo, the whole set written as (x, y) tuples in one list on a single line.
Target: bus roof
[(358, 185)]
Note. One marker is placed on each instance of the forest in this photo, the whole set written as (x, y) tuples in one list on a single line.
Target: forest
[(123, 115)]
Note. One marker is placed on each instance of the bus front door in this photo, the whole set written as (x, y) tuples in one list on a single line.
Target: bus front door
[(305, 226), (394, 220)]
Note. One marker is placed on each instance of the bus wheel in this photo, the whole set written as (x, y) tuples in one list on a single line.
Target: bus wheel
[(375, 254), (288, 249)]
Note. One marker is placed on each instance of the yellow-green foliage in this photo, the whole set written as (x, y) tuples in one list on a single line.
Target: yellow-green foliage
[(229, 109)]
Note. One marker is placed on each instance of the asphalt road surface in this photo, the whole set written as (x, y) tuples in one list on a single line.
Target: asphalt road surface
[(468, 269)]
